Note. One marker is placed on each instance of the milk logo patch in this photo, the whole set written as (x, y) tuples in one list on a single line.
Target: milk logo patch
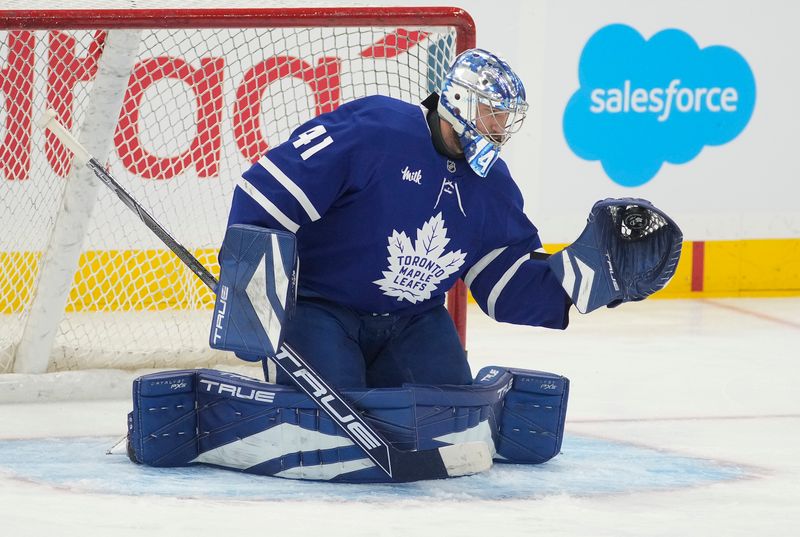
[(414, 177), (643, 102), (416, 269)]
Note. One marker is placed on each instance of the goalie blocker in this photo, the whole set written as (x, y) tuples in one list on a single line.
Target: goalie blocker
[(183, 418), (256, 293)]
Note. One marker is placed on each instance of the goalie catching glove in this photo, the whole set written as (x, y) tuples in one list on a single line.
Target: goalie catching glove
[(628, 250)]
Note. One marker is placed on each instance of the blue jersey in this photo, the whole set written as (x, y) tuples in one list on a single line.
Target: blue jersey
[(386, 224)]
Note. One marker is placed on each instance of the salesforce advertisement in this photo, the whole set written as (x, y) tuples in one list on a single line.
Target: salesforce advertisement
[(644, 102), (687, 108)]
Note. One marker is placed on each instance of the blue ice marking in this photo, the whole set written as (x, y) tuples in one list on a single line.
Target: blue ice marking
[(586, 467)]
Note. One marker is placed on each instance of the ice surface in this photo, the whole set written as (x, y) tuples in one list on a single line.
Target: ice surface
[(684, 419), (586, 467)]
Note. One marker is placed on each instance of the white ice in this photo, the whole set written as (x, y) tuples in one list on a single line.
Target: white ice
[(711, 381)]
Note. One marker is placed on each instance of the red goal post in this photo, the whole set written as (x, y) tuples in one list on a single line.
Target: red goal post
[(177, 102)]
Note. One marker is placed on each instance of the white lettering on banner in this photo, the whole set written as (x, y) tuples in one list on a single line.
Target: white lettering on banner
[(663, 101)]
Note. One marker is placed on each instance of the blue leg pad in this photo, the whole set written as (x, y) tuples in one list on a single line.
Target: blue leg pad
[(532, 425), (162, 429), (221, 419)]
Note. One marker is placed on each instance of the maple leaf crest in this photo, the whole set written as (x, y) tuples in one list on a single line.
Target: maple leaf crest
[(415, 271)]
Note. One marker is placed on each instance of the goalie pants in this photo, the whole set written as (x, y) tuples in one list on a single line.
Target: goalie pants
[(354, 350)]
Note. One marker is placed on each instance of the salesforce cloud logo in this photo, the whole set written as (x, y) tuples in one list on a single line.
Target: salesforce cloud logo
[(645, 102)]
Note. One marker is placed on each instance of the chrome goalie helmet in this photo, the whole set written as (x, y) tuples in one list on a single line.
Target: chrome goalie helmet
[(484, 101)]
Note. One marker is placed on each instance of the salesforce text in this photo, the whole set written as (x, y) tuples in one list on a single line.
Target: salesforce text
[(663, 100)]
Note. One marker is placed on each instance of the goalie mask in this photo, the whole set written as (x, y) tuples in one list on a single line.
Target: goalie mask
[(484, 101)]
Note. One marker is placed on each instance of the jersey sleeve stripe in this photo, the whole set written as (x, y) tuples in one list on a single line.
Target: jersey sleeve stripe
[(481, 264), (267, 205), (501, 284), (291, 186)]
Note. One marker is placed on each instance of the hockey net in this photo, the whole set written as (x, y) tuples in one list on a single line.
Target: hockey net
[(193, 96)]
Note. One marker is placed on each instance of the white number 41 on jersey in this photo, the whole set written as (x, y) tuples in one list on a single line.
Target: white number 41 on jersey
[(309, 136)]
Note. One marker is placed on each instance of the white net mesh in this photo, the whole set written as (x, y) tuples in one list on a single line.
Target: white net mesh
[(200, 105)]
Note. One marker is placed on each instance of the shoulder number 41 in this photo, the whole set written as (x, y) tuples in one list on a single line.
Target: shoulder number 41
[(310, 135)]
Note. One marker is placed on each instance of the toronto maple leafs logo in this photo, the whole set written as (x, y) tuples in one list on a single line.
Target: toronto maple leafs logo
[(415, 271)]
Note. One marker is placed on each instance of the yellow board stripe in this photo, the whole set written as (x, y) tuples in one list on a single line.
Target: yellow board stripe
[(17, 273), (744, 268), (741, 268), (133, 280), (114, 280)]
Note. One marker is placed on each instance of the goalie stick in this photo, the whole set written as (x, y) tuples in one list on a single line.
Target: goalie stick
[(401, 466)]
